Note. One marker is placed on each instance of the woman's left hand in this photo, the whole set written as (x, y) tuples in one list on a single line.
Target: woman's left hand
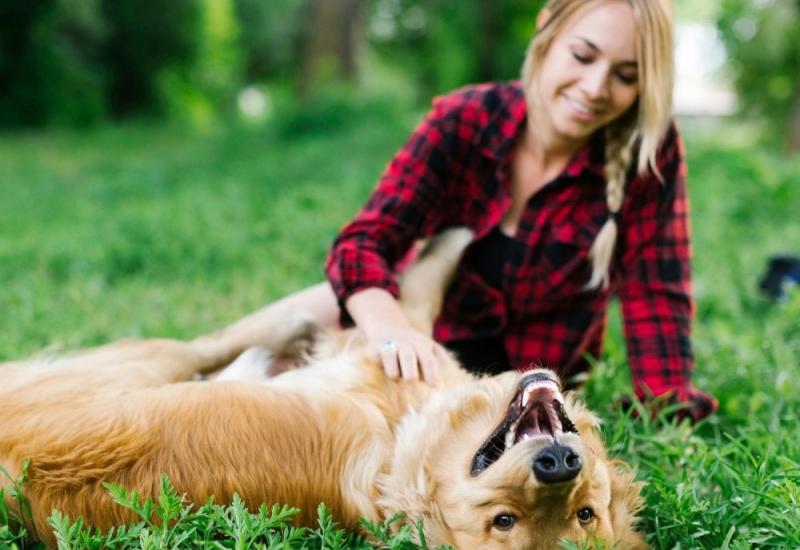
[(688, 403)]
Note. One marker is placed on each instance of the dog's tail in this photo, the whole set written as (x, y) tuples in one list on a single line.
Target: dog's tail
[(423, 284)]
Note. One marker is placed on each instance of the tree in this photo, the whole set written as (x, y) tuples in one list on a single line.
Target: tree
[(449, 43), (270, 37), (332, 42), (50, 67), (763, 41)]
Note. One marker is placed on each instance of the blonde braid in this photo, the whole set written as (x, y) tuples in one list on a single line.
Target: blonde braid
[(619, 151)]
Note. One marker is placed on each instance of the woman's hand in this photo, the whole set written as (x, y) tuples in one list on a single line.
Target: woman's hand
[(686, 403), (404, 351)]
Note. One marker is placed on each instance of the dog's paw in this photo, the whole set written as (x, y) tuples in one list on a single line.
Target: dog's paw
[(252, 365)]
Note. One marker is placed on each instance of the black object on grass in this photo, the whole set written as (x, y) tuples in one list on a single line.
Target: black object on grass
[(783, 273)]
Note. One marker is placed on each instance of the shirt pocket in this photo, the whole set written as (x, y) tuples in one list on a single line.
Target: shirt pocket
[(565, 267), (473, 307)]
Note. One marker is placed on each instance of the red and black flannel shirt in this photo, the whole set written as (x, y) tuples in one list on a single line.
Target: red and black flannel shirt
[(455, 171)]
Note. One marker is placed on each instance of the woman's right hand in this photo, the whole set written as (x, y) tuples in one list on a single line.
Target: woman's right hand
[(404, 352)]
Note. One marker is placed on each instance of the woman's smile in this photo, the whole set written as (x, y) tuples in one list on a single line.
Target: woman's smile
[(581, 110)]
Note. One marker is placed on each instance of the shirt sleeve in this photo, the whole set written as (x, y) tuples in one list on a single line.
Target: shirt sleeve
[(405, 205), (655, 280)]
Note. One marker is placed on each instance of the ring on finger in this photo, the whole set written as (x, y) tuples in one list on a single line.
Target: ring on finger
[(389, 345)]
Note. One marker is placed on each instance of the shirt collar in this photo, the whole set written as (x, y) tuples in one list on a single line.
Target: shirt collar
[(508, 118)]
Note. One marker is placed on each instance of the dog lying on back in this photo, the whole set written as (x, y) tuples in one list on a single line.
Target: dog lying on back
[(502, 462)]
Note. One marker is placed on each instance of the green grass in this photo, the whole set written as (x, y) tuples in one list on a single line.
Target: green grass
[(168, 521), (158, 231)]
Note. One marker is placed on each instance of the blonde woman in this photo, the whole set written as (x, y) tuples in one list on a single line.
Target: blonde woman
[(573, 182)]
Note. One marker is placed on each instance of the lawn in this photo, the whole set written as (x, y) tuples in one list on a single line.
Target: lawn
[(147, 230)]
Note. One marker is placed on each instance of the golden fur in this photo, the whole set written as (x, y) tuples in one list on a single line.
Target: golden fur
[(336, 431)]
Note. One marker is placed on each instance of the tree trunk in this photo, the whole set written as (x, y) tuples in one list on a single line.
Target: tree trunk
[(333, 40), (489, 29)]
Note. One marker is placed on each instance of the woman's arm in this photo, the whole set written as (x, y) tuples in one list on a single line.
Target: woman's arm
[(655, 285), (408, 203)]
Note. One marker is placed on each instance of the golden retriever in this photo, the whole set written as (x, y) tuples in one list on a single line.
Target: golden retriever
[(495, 462)]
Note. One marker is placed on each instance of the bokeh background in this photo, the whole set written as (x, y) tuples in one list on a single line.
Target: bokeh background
[(169, 166), (85, 62)]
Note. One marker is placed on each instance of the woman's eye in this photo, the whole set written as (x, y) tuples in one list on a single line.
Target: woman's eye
[(585, 59), (628, 78), (504, 522), (585, 515)]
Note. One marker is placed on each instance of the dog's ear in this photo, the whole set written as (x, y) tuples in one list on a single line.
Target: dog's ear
[(410, 485), (626, 501), (585, 420), (412, 491)]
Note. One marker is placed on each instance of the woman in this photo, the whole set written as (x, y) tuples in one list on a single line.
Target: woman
[(573, 181)]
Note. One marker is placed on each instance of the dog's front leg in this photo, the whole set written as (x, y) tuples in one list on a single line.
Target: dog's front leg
[(276, 328)]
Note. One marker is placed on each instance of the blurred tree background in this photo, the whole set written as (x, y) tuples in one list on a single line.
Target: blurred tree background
[(80, 62), (763, 42)]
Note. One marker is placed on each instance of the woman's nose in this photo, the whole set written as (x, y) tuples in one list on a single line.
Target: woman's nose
[(595, 83)]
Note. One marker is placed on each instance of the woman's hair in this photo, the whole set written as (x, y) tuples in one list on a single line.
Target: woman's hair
[(643, 125)]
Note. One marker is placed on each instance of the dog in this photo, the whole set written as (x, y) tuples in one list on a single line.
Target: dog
[(494, 462)]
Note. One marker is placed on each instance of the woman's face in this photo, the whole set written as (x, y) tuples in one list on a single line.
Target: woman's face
[(589, 77)]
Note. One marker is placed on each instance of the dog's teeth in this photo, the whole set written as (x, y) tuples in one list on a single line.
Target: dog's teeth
[(525, 398), (509, 439)]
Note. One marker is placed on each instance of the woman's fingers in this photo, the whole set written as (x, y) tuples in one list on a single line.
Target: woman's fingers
[(410, 356), (408, 364), (388, 356), (429, 367)]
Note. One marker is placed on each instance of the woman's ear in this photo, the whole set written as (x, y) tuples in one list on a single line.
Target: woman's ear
[(542, 19)]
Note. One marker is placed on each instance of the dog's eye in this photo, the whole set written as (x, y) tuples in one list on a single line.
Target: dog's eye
[(585, 515), (504, 522)]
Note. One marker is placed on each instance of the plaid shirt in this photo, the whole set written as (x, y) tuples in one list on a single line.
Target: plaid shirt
[(455, 171)]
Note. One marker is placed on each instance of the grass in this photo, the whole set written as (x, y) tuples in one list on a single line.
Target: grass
[(157, 231), (170, 522)]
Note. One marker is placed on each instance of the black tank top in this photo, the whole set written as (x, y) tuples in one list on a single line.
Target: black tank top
[(487, 258), (489, 255)]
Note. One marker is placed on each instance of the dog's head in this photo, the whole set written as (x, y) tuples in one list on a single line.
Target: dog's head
[(508, 462)]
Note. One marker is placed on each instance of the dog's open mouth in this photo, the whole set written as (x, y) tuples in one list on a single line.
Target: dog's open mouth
[(537, 410)]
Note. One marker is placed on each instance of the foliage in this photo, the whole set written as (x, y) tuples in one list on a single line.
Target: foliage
[(170, 521), (203, 87), (763, 41), (145, 38), (12, 530), (447, 43), (50, 66), (270, 37), (74, 62)]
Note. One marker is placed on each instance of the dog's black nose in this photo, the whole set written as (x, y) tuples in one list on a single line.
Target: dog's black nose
[(556, 464)]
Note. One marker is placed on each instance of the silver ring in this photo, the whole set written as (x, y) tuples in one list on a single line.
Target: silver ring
[(389, 345)]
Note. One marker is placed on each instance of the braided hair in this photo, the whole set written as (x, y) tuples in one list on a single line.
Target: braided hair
[(641, 128)]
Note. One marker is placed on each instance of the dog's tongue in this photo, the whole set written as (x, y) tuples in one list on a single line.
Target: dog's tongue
[(536, 421)]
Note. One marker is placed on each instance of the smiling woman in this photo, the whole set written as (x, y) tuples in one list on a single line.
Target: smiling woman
[(588, 78), (573, 181)]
